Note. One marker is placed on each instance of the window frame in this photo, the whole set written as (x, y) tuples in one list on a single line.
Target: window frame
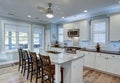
[(106, 20), (17, 24), (9, 36), (38, 27)]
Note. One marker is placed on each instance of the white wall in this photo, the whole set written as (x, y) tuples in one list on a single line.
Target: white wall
[(0, 35), (51, 32)]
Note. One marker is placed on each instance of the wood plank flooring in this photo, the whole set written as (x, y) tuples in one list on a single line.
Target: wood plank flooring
[(91, 76), (11, 75)]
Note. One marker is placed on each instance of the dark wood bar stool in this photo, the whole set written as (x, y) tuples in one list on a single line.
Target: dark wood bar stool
[(36, 66), (27, 63), (20, 58), (49, 70)]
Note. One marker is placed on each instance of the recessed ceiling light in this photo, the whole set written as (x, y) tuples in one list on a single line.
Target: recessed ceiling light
[(29, 16), (63, 17), (85, 11), (40, 10)]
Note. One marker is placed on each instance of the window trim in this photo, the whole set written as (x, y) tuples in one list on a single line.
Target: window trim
[(106, 32), (4, 22), (32, 35)]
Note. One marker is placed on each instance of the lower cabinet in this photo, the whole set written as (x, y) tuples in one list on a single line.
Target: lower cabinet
[(113, 64), (89, 59), (105, 62), (100, 62)]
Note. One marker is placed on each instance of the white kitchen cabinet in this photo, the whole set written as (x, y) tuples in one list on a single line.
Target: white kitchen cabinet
[(100, 62), (89, 59), (115, 27), (84, 32), (66, 28), (113, 64)]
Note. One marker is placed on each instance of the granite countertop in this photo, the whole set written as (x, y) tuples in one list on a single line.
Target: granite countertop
[(66, 47), (103, 51), (62, 57), (91, 50)]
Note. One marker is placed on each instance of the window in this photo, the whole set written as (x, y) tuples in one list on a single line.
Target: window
[(37, 37), (23, 40), (15, 36), (37, 40), (10, 40), (60, 34), (99, 31)]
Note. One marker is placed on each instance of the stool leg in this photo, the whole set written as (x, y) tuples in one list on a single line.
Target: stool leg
[(24, 69), (28, 70), (61, 75)]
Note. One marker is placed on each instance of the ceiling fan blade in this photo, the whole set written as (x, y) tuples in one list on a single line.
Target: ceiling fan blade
[(41, 8)]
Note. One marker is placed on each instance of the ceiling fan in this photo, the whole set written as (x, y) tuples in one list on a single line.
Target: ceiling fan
[(49, 12)]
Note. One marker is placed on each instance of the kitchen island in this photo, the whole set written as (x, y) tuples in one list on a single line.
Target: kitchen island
[(72, 64)]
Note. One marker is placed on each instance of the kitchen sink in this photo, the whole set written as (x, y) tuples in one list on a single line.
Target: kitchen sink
[(54, 52)]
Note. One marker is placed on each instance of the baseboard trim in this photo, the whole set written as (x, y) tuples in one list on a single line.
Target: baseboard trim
[(105, 72), (8, 64)]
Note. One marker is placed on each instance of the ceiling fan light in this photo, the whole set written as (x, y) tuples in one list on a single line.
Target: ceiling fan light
[(49, 15)]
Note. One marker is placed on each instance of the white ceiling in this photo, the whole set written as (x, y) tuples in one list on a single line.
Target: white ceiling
[(66, 8)]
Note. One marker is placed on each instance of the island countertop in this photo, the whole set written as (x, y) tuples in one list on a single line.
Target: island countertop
[(62, 57)]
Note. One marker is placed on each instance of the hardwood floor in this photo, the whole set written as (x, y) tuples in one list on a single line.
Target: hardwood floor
[(11, 75), (91, 76)]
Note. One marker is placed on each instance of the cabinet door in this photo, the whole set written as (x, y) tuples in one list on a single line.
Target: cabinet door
[(84, 34), (100, 62), (115, 27), (113, 65), (89, 59)]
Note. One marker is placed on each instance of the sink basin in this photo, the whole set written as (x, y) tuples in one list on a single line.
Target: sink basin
[(54, 52)]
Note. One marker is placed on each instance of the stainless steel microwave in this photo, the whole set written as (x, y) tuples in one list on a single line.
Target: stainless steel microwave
[(73, 33)]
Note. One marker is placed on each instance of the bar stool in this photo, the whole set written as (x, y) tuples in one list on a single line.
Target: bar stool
[(20, 59), (36, 66), (48, 70)]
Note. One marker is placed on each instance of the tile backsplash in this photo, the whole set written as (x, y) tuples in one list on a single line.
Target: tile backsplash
[(111, 46)]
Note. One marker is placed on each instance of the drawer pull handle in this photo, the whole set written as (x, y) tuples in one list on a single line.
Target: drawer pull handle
[(106, 57)]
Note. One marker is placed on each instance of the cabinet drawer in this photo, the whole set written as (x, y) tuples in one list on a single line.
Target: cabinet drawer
[(112, 56)]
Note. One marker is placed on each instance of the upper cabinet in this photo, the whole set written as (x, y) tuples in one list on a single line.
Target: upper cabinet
[(115, 27), (84, 34), (81, 25)]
